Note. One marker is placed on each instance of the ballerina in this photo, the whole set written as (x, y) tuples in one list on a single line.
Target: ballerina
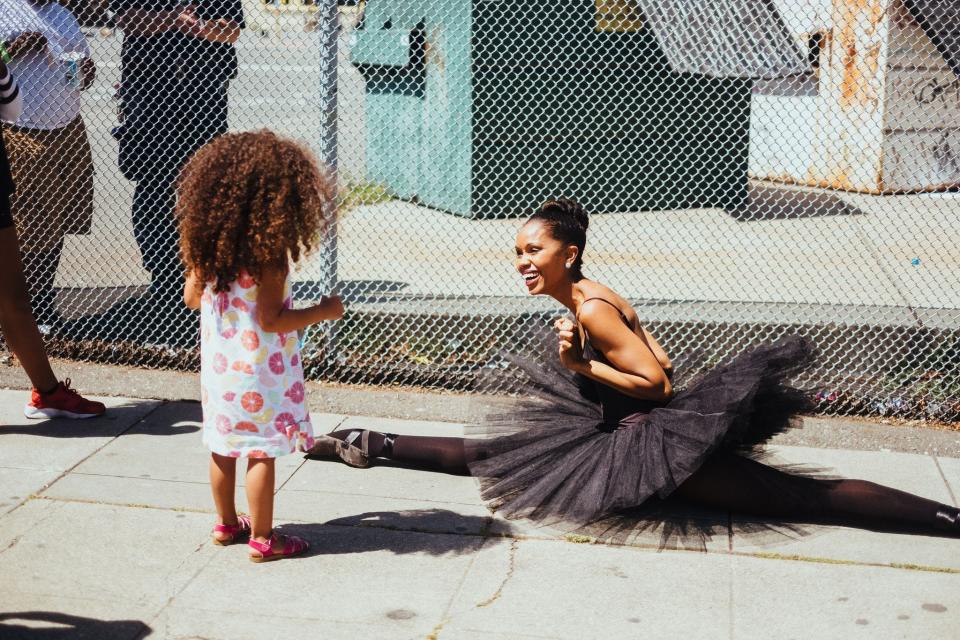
[(608, 432)]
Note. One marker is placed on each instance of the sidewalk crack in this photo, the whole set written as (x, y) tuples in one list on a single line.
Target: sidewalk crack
[(446, 616), (12, 544), (511, 567), (290, 477), (895, 284)]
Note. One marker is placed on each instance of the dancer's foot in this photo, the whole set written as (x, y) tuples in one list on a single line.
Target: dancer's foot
[(356, 447), (948, 519)]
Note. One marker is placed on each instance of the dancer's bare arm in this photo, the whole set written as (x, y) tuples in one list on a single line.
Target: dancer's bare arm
[(659, 352), (634, 369)]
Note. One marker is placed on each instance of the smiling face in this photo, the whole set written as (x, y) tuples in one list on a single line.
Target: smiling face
[(541, 259)]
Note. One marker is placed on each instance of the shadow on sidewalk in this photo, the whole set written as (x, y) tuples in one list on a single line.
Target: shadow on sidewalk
[(48, 625), (674, 525), (105, 426), (784, 202), (439, 532)]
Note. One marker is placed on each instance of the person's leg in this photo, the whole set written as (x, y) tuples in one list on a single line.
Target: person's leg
[(41, 207), (16, 317), (223, 482), (155, 230), (40, 270), (49, 398), (65, 203), (260, 484), (746, 486), (266, 545), (434, 453)]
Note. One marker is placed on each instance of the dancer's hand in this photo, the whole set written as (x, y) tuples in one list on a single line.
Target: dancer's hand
[(571, 347)]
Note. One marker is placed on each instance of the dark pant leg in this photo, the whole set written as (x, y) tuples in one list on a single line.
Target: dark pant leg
[(40, 270), (154, 228), (154, 221)]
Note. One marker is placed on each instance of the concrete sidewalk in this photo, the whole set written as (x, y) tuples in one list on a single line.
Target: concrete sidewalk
[(104, 533)]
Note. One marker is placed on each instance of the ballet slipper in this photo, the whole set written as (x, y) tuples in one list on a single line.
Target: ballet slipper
[(330, 447)]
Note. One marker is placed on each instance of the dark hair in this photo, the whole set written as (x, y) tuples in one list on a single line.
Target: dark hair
[(567, 222), (250, 201)]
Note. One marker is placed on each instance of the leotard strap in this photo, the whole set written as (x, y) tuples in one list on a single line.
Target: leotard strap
[(622, 315)]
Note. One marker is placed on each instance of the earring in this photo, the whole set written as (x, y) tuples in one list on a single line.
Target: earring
[(569, 265)]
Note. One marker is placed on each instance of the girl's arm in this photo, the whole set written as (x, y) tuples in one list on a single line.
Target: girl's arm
[(192, 291), (633, 370), (275, 318)]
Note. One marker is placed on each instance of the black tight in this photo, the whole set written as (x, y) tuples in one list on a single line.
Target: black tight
[(745, 486), (727, 482), (40, 270)]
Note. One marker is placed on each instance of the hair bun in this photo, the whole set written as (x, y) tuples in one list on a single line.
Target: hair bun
[(570, 209)]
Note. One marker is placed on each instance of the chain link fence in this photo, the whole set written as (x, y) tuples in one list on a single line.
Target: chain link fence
[(753, 168)]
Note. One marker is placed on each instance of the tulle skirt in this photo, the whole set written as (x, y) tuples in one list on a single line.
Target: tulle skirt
[(555, 460)]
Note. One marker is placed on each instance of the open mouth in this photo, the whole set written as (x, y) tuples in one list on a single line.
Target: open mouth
[(531, 278)]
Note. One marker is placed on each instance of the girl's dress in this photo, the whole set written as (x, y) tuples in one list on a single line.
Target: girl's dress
[(251, 380), (581, 451)]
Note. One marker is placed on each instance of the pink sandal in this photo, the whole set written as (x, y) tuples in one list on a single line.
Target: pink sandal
[(233, 531), (293, 546)]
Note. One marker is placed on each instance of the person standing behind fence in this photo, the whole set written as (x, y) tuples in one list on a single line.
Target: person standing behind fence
[(50, 397), (176, 64), (250, 204), (47, 145)]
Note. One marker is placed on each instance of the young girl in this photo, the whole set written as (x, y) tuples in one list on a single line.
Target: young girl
[(250, 204)]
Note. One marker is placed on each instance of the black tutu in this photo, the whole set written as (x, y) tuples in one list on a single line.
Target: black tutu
[(580, 451)]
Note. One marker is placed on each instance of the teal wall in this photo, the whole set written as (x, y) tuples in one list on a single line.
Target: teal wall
[(515, 102), (448, 109)]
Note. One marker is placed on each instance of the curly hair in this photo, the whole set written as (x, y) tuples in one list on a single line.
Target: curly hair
[(250, 201)]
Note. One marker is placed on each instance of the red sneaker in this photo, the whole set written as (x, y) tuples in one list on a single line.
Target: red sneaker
[(62, 402)]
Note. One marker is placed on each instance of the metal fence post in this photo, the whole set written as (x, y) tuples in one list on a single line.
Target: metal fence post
[(328, 28)]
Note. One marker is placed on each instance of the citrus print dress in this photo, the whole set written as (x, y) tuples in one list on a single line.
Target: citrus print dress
[(251, 380)]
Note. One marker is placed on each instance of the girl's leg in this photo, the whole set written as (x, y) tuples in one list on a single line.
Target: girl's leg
[(261, 477), (260, 484), (223, 482), (746, 486), (16, 317), (434, 453)]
